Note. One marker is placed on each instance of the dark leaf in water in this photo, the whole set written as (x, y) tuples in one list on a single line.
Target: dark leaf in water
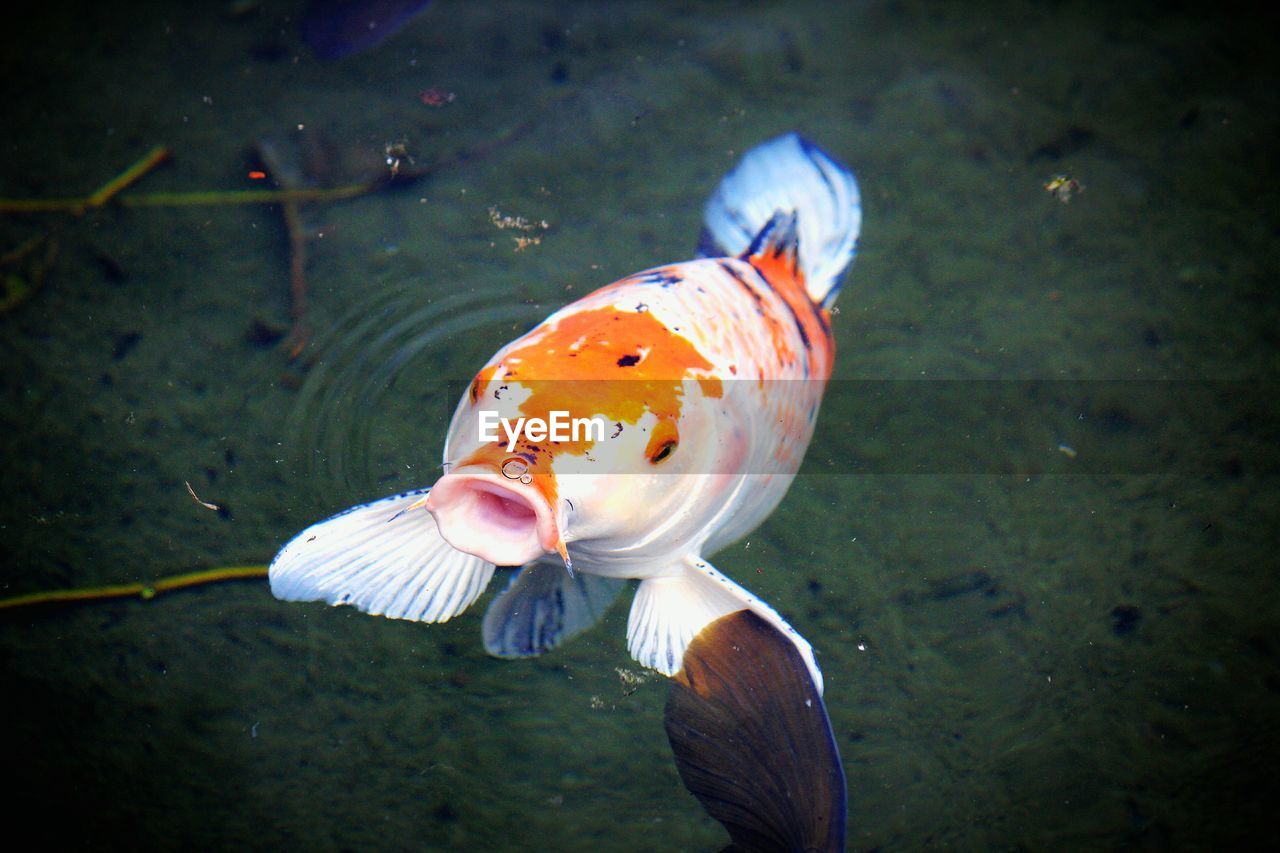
[(338, 28)]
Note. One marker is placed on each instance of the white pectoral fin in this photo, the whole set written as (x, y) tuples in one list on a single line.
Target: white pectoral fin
[(668, 612), (543, 606), (386, 558)]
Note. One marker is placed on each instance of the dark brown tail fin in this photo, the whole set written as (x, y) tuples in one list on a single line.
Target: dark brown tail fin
[(752, 740)]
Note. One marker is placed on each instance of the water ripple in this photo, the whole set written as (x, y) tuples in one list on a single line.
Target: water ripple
[(372, 412)]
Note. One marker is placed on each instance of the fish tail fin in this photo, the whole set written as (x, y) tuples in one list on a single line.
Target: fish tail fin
[(752, 739), (789, 175), (670, 610)]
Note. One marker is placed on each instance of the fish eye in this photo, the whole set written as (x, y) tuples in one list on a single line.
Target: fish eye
[(664, 450), (663, 442)]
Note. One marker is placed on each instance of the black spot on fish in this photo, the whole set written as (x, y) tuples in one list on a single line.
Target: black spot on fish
[(660, 277), (804, 336), (629, 361), (737, 276), (823, 321), (746, 285)]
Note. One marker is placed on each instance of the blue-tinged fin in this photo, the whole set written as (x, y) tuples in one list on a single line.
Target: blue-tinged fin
[(670, 610), (789, 174), (386, 558), (543, 606), (752, 739)]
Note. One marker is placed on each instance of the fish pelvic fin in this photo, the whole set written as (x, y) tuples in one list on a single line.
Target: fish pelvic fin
[(669, 611), (788, 175), (385, 558), (544, 606)]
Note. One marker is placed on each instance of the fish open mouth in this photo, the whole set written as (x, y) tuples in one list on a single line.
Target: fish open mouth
[(483, 513)]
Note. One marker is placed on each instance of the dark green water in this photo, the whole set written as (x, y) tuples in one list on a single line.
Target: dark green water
[(1021, 649)]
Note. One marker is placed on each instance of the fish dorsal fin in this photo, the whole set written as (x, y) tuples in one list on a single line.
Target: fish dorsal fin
[(775, 251)]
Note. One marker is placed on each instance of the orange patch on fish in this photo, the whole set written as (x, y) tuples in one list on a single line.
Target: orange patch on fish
[(782, 271), (607, 362), (597, 362), (779, 267)]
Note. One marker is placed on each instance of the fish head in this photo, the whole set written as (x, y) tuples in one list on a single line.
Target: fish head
[(588, 469), (634, 401)]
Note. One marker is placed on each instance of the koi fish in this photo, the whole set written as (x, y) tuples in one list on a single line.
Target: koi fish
[(709, 373)]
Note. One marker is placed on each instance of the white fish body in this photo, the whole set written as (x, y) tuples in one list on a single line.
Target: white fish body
[(708, 374)]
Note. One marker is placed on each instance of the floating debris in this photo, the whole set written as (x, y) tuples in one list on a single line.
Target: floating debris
[(631, 679), (196, 498), (436, 97), (397, 154), (519, 223), (1063, 188)]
